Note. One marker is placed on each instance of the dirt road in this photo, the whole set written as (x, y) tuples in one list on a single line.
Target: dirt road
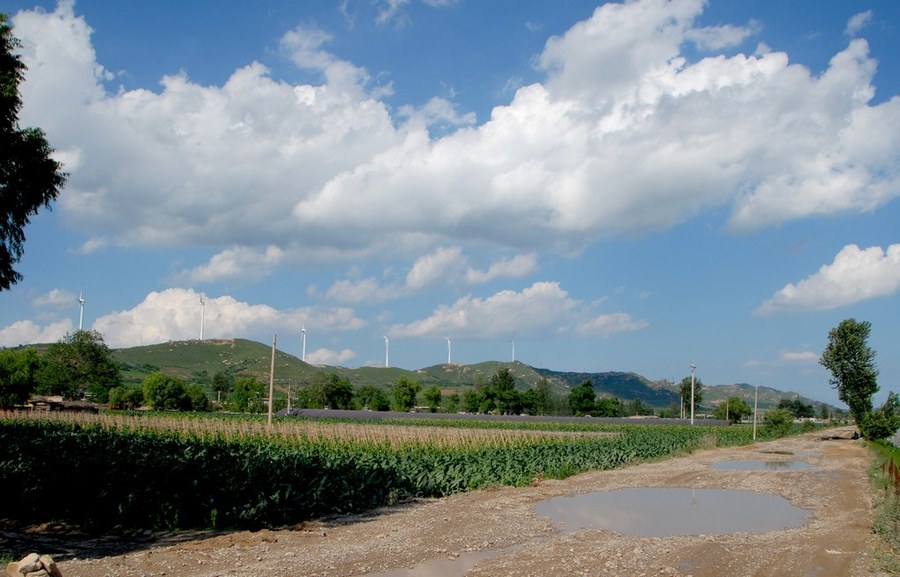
[(497, 532)]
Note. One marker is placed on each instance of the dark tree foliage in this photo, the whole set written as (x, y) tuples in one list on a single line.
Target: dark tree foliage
[(798, 408), (165, 393), (80, 365), (852, 365), (581, 398), (404, 392), (18, 372), (372, 398), (29, 178), (609, 407)]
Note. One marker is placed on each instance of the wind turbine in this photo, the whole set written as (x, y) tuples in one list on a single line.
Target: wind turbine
[(303, 342), (202, 315), (513, 342), (448, 350), (81, 311), (387, 350)]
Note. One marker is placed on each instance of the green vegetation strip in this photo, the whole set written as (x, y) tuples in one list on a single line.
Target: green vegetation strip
[(101, 477)]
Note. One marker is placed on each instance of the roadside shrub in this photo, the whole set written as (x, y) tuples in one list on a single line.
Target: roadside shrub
[(779, 422)]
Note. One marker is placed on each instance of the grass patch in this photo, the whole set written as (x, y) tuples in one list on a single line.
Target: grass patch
[(885, 475)]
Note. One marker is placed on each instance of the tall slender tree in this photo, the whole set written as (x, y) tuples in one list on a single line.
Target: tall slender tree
[(29, 177), (852, 365)]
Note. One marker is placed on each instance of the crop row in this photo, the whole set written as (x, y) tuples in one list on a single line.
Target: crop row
[(163, 478)]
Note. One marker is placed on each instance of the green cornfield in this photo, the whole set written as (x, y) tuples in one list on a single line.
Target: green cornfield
[(175, 472)]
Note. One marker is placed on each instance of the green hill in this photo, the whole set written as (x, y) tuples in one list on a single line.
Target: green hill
[(198, 361)]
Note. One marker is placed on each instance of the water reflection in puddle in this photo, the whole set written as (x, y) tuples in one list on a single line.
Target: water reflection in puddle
[(762, 465), (658, 512), (440, 567)]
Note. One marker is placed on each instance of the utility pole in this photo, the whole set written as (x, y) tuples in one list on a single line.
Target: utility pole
[(693, 366), (272, 380), (755, 405)]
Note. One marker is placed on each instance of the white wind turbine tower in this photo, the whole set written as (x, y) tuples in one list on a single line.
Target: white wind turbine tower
[(303, 343), (513, 342), (448, 350), (202, 315), (387, 350), (81, 310)]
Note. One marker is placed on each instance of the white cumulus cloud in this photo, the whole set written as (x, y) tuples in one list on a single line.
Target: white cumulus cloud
[(855, 275), (263, 162), (543, 308), (175, 314)]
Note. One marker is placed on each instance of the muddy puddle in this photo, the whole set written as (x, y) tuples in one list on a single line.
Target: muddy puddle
[(659, 512), (761, 465)]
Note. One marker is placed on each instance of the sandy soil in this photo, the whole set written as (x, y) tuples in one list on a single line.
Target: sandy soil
[(497, 532)]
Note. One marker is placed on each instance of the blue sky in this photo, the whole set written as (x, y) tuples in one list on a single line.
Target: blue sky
[(624, 186)]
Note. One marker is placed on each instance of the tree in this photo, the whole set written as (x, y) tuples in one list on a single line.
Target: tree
[(127, 398), (165, 393), (336, 391), (733, 409), (852, 365), (373, 398), (222, 383), (798, 408), (29, 178), (778, 422), (609, 407), (581, 398), (433, 398), (18, 371), (686, 394), (508, 400), (79, 365), (404, 392), (542, 397), (885, 421), (196, 398), (247, 396)]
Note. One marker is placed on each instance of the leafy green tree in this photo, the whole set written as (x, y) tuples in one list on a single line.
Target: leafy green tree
[(29, 177), (338, 391), (733, 409), (542, 397), (373, 398), (165, 393), (885, 421), (124, 397), (451, 403), (609, 407), (471, 401), (778, 422), (433, 398), (404, 392), (222, 383), (79, 365), (248, 396), (196, 398), (581, 398), (685, 388), (503, 384), (18, 375), (637, 408), (852, 365), (798, 408)]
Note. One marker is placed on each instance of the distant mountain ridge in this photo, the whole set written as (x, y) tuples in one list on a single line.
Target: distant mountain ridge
[(194, 360)]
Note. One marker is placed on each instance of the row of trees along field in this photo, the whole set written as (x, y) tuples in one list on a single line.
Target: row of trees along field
[(81, 366)]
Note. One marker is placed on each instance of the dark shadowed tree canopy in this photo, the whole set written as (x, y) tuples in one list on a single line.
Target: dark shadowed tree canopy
[(29, 178)]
